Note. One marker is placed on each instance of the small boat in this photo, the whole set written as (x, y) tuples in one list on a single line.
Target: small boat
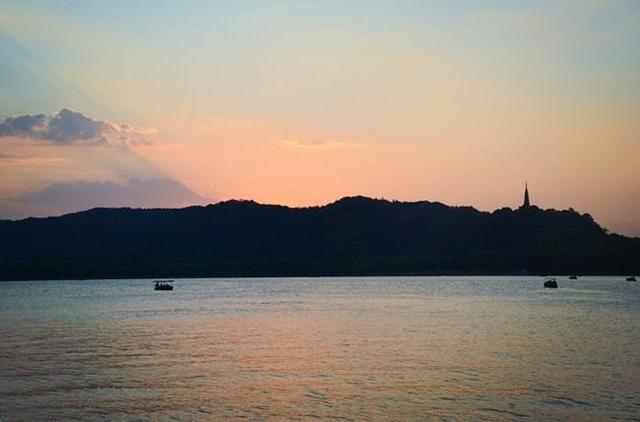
[(632, 278), (551, 283), (573, 277), (162, 285)]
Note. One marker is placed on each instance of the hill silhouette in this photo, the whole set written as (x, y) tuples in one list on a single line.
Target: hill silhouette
[(352, 236)]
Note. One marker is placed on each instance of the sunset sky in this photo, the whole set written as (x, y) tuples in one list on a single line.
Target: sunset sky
[(168, 103)]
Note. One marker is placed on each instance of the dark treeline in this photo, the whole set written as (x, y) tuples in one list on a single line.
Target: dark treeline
[(353, 236)]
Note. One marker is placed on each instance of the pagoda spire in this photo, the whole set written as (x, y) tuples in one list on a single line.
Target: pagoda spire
[(526, 203)]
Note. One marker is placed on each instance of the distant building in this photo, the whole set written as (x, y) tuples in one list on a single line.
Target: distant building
[(526, 203)]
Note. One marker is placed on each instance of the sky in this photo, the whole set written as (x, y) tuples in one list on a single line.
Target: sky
[(165, 103)]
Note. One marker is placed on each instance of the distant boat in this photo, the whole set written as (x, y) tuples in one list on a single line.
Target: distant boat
[(573, 277), (162, 285), (551, 283), (632, 278)]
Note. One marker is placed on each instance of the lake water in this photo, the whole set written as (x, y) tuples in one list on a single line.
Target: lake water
[(396, 348)]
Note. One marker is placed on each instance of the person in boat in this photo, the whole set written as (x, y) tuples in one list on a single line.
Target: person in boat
[(163, 285)]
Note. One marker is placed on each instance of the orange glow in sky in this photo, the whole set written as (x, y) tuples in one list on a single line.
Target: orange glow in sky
[(301, 104)]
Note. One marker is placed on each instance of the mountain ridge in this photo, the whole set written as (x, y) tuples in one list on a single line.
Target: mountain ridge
[(354, 235)]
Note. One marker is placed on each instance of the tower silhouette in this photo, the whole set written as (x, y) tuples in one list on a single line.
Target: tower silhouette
[(526, 203)]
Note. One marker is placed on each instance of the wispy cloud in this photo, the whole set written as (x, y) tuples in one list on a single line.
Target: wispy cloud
[(69, 127), (27, 161), (327, 143), (307, 142)]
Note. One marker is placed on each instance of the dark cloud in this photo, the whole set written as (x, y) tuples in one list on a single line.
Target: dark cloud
[(22, 125), (68, 127)]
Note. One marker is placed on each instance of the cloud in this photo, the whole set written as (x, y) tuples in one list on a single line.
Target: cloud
[(65, 197), (53, 164), (307, 142), (7, 157), (21, 160), (69, 127), (328, 144)]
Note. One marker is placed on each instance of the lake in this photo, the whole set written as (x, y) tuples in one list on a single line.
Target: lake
[(391, 348)]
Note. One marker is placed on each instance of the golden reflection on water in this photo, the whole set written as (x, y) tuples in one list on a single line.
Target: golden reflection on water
[(400, 358)]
